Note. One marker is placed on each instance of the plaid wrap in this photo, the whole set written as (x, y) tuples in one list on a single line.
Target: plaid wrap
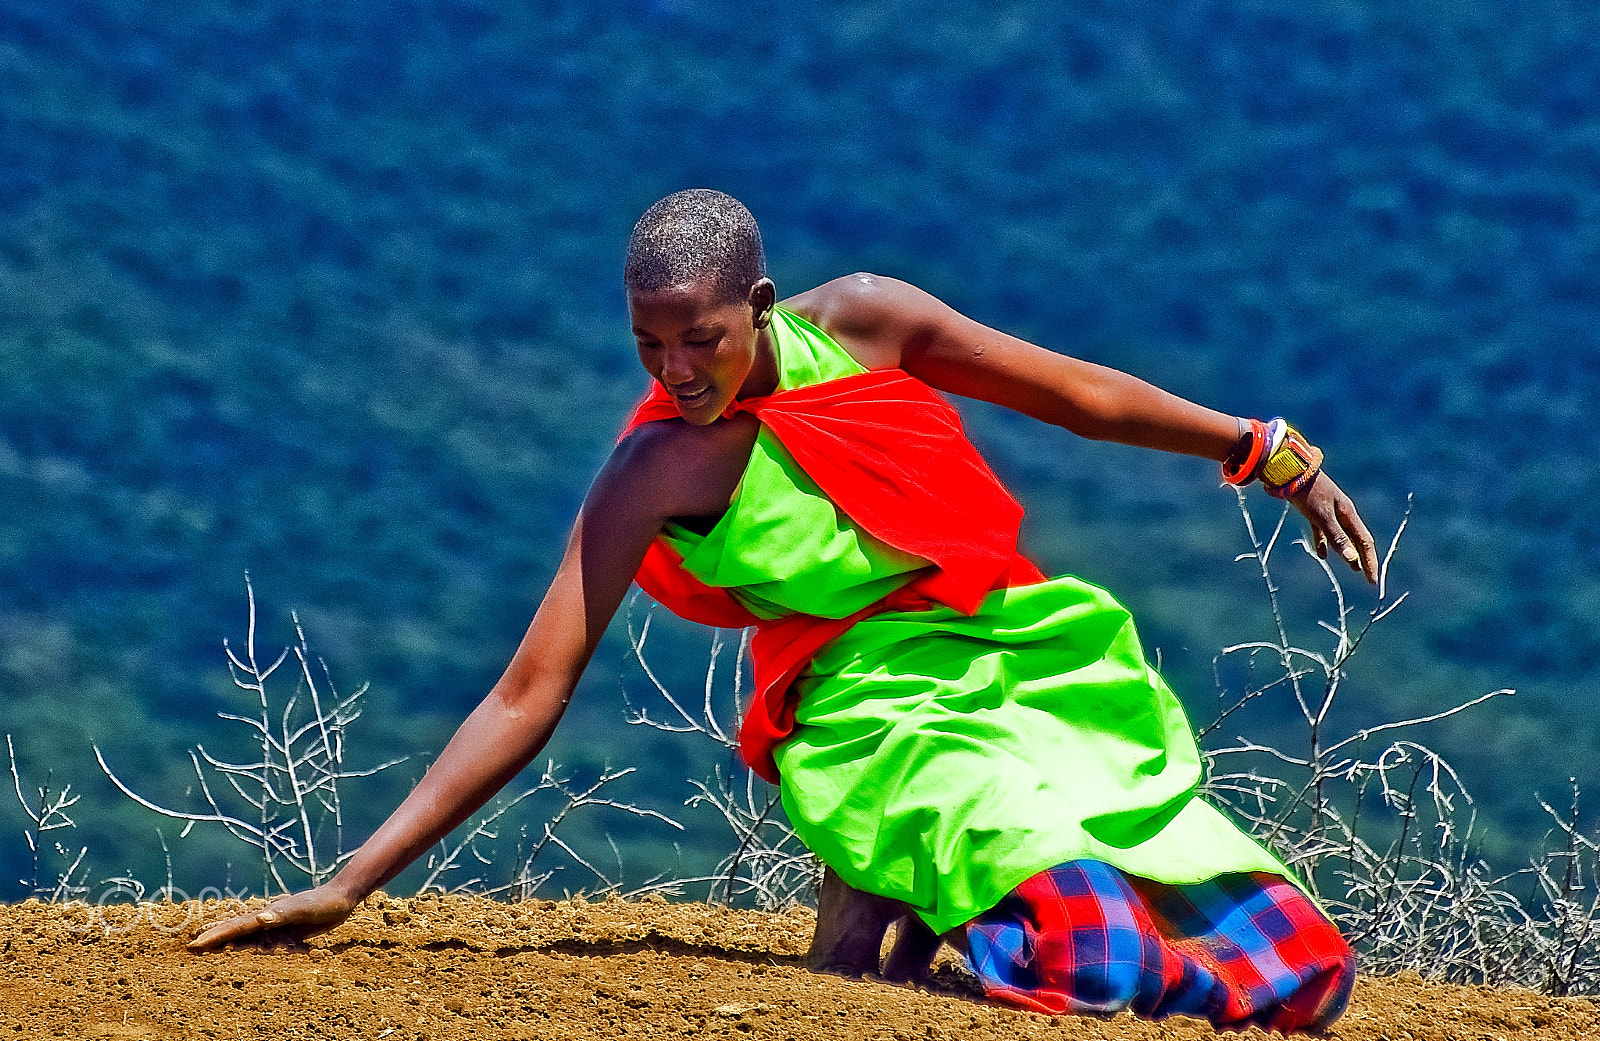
[(1239, 950)]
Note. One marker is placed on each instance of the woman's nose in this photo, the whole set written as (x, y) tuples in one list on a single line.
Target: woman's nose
[(675, 367)]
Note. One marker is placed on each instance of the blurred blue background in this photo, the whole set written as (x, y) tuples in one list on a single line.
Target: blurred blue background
[(330, 292)]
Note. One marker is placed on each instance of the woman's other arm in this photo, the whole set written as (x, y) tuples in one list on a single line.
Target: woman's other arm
[(892, 324)]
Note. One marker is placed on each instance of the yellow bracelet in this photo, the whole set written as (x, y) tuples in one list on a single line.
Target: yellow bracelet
[(1292, 466)]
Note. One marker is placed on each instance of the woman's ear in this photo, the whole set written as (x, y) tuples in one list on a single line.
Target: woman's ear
[(763, 298)]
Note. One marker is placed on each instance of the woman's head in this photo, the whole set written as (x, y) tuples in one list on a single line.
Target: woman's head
[(699, 298), (694, 235)]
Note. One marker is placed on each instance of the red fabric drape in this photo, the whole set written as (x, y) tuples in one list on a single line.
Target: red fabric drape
[(891, 455)]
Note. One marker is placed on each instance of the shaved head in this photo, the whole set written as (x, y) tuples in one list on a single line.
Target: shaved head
[(693, 235)]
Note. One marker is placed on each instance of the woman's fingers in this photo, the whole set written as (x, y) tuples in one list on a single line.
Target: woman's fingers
[(1335, 524), (1366, 551), (286, 920), (231, 930)]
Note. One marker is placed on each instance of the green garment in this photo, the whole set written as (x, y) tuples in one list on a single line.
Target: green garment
[(940, 759), (782, 548)]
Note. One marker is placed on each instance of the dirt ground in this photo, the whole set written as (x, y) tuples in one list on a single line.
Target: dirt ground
[(458, 967)]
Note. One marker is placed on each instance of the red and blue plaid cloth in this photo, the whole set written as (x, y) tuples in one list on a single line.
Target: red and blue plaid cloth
[(1239, 950)]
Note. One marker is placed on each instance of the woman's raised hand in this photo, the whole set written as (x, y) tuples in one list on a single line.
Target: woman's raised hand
[(1335, 523), (287, 920)]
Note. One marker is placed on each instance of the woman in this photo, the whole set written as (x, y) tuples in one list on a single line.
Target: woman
[(955, 735)]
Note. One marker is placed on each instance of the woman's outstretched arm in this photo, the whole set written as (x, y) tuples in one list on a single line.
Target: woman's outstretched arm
[(670, 470), (892, 324)]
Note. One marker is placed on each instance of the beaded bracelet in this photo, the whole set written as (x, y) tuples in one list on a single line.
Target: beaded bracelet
[(1290, 470), (1278, 454)]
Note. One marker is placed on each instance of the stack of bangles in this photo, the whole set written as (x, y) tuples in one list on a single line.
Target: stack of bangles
[(1278, 454)]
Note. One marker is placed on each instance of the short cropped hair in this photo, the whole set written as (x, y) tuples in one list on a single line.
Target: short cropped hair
[(690, 235)]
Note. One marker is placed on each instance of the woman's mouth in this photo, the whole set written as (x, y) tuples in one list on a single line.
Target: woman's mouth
[(689, 399)]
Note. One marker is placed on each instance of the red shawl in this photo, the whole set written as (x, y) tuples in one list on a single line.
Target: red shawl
[(891, 455)]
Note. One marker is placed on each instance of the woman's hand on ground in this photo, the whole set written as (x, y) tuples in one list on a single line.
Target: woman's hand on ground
[(287, 920), (1335, 522)]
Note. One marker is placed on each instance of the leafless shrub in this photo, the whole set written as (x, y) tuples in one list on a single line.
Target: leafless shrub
[(767, 865), (1568, 922), (529, 873), (1383, 830), (292, 810), (292, 790), (47, 812)]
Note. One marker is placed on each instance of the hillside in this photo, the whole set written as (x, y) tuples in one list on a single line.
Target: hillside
[(329, 293), (460, 968)]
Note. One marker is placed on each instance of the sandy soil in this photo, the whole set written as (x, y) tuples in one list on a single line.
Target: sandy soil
[(462, 967)]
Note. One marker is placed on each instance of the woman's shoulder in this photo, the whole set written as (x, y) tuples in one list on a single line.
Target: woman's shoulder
[(874, 317), (650, 444), (692, 469)]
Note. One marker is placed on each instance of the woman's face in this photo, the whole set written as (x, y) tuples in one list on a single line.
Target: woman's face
[(705, 350)]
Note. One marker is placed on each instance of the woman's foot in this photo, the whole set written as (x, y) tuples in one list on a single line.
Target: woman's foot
[(851, 926), (911, 958)]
